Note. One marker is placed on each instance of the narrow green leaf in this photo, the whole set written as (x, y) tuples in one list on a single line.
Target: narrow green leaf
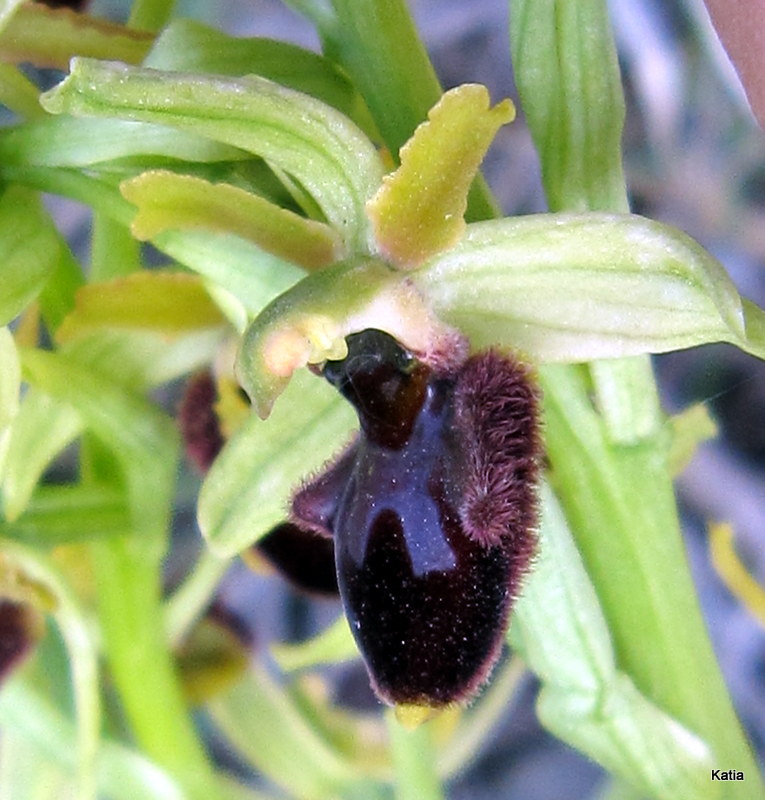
[(376, 41), (560, 630), (575, 287), (18, 93), (413, 761), (7, 9), (170, 303), (122, 774), (247, 490), (28, 249), (287, 739), (333, 645), (67, 142), (48, 37), (166, 200), (81, 649), (419, 209), (565, 66), (72, 513), (10, 386), (142, 438), (10, 377), (57, 296), (188, 46), (315, 144), (42, 429), (242, 269)]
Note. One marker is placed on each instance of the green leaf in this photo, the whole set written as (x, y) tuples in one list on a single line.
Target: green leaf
[(575, 287), (246, 491), (307, 139), (566, 70), (42, 429), (70, 513), (10, 386), (333, 645), (28, 250), (188, 46), (69, 142), (287, 739), (18, 93), (419, 209), (30, 565), (245, 272), (560, 631), (122, 774), (142, 438), (166, 200), (169, 303), (376, 41), (7, 9), (413, 761)]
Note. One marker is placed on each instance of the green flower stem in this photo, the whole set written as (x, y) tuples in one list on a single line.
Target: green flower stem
[(18, 93), (477, 723), (377, 42), (113, 251), (82, 655), (129, 594), (413, 761), (611, 472), (635, 557), (150, 15), (193, 596)]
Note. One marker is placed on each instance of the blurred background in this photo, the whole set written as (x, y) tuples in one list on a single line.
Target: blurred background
[(694, 158)]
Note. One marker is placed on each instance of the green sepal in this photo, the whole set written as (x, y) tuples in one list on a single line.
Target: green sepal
[(310, 141), (308, 324), (189, 46), (576, 287)]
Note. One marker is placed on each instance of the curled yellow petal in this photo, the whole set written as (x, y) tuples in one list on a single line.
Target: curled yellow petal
[(733, 572), (418, 211)]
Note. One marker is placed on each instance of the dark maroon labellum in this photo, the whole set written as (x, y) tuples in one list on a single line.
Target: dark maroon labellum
[(432, 510), (20, 628)]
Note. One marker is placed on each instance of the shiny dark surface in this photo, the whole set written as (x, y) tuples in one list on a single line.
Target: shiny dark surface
[(426, 589), (304, 558)]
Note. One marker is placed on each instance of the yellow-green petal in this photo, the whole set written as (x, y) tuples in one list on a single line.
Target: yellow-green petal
[(167, 201), (165, 302), (419, 209)]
